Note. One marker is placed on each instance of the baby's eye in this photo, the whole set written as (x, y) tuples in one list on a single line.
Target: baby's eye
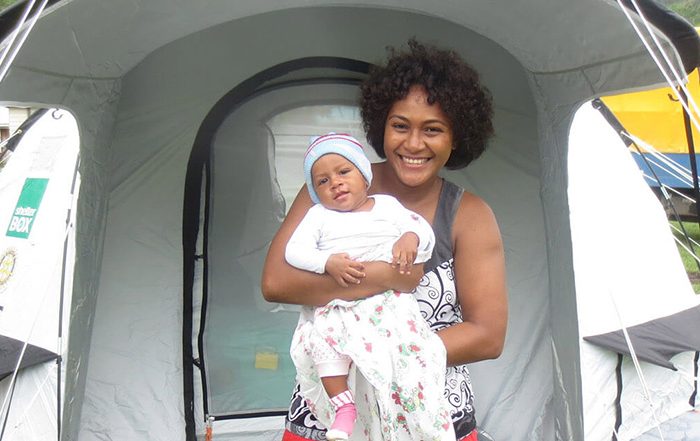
[(321, 181), (345, 171)]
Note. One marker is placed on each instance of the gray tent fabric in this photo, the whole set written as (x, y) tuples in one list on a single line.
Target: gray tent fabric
[(658, 340), (141, 76)]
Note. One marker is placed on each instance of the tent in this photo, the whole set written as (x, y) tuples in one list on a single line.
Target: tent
[(38, 190), (639, 283), (664, 136), (656, 116), (191, 114)]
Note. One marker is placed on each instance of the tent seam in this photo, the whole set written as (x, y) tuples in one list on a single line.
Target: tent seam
[(589, 66), (60, 75)]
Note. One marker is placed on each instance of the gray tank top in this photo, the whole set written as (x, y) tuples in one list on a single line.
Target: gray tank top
[(450, 197), (437, 297)]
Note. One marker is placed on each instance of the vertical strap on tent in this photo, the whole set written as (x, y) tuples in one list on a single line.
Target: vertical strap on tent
[(190, 230), (618, 398), (694, 395), (205, 288)]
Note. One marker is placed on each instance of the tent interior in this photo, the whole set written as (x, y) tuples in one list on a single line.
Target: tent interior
[(193, 117)]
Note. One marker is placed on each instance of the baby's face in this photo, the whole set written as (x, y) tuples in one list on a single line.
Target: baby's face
[(338, 183)]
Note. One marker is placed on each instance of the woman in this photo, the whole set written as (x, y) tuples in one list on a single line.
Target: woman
[(422, 111)]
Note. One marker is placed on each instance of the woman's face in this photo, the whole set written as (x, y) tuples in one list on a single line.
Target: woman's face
[(417, 138)]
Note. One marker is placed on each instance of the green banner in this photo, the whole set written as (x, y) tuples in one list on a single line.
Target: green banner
[(27, 207)]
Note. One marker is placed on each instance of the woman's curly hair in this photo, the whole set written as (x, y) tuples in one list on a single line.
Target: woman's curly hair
[(448, 80)]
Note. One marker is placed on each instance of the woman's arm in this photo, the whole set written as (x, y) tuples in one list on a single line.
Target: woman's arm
[(481, 286), (282, 283)]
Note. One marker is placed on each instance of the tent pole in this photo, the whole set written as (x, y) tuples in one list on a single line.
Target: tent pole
[(691, 154), (599, 105), (696, 194)]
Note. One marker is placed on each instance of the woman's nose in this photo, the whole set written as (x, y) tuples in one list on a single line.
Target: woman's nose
[(413, 141)]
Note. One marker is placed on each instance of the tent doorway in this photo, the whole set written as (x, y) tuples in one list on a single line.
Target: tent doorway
[(251, 170)]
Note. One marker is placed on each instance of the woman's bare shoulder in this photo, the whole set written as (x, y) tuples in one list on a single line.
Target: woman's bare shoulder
[(472, 205), (475, 217)]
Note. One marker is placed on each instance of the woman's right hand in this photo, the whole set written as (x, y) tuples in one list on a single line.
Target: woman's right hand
[(282, 283)]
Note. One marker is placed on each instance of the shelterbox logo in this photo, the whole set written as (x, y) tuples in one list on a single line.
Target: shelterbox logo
[(27, 207)]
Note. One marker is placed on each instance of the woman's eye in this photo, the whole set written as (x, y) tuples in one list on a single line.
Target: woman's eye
[(399, 126), (433, 130)]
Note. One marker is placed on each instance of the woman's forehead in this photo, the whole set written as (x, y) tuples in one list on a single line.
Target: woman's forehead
[(416, 105)]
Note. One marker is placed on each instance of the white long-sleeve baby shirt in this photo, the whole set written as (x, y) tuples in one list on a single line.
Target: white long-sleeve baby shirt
[(364, 235)]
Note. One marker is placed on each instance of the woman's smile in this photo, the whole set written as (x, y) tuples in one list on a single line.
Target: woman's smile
[(413, 161)]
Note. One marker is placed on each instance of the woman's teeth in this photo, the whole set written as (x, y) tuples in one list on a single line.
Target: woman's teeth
[(414, 160)]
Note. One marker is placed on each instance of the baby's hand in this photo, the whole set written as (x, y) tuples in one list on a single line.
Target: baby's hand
[(344, 270), (404, 252)]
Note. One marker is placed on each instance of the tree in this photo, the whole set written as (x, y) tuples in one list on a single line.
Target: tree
[(689, 9), (4, 4)]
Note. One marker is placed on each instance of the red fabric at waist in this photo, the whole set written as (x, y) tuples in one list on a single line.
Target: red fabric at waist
[(289, 436)]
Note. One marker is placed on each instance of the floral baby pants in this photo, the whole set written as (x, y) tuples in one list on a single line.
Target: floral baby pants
[(398, 367)]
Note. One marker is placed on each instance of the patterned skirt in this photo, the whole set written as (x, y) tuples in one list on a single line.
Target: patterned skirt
[(398, 373)]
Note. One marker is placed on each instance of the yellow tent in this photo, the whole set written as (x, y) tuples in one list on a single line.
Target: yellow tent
[(656, 116)]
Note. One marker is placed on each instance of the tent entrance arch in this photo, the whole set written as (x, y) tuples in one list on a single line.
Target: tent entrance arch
[(239, 359)]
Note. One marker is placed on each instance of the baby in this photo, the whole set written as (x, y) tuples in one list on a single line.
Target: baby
[(401, 361)]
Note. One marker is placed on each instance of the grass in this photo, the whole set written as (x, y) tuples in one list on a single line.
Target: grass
[(691, 266)]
